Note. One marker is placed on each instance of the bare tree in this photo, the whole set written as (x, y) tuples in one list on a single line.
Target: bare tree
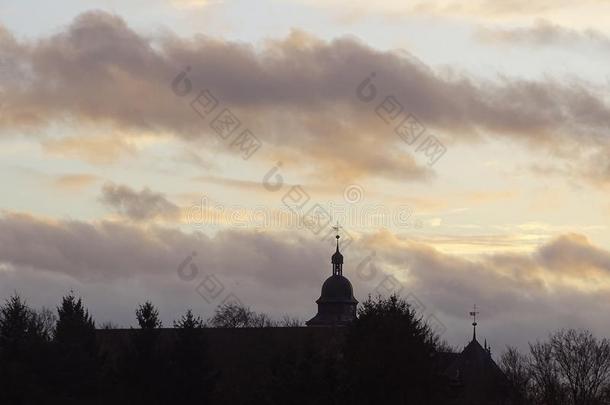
[(260, 320), (109, 325), (230, 316), (47, 319), (515, 366), (545, 374), (584, 362), (290, 322), (239, 316)]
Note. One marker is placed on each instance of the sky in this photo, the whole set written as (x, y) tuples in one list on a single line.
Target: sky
[(198, 152)]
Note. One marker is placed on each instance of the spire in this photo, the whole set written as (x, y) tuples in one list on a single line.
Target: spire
[(474, 314), (337, 258)]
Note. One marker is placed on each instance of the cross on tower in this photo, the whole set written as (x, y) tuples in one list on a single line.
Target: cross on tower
[(474, 314), (337, 227)]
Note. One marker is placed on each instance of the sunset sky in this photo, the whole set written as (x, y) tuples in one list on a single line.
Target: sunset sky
[(116, 166)]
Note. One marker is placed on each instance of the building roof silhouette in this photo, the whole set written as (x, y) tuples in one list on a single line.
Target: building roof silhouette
[(474, 377), (242, 356), (336, 305)]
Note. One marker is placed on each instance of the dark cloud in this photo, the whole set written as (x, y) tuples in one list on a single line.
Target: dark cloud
[(117, 251), (116, 265), (138, 205), (574, 254), (522, 296), (565, 259), (296, 94)]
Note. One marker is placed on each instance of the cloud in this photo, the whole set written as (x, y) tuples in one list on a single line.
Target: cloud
[(193, 4), (109, 251), (522, 295), (93, 149), (563, 283), (574, 254), (559, 262), (543, 33), (297, 94), (75, 181), (480, 9), (138, 205)]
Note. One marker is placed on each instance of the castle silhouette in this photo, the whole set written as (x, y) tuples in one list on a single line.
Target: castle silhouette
[(239, 354)]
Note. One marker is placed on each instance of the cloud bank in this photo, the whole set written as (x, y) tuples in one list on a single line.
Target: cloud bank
[(563, 280), (297, 94)]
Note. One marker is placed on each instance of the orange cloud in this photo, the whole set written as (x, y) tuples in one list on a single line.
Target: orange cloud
[(75, 181)]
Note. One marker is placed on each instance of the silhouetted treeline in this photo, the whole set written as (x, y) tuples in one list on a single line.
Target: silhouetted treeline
[(388, 355), (572, 367), (46, 356)]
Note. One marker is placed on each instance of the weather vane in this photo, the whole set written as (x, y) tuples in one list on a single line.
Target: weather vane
[(336, 228)]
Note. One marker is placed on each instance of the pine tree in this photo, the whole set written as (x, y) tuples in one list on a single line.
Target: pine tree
[(24, 354), (188, 322), (148, 316), (78, 361), (146, 365), (192, 374), (388, 354)]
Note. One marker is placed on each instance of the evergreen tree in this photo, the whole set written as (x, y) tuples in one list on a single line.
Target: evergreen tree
[(389, 355), (145, 365), (24, 354), (192, 372), (148, 316), (189, 322), (76, 348)]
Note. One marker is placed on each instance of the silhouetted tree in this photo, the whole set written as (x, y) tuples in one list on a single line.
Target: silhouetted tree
[(388, 355), (148, 316), (48, 321), (584, 363), (571, 368), (516, 368), (192, 372), (290, 322), (547, 386), (24, 354), (233, 315), (189, 322), (145, 365), (78, 364), (109, 325), (75, 327)]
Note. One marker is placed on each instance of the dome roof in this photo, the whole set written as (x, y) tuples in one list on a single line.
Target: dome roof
[(337, 289)]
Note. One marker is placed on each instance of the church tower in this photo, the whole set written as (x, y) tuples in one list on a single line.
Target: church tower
[(474, 376), (336, 305)]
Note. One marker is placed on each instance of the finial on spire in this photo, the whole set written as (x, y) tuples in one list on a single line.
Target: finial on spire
[(474, 314), (336, 228), (337, 258)]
